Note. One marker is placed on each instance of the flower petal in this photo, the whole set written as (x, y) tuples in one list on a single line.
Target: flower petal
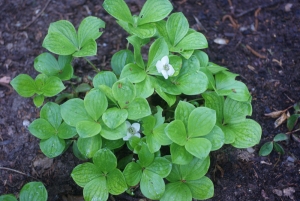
[(171, 70), (165, 60), (128, 124), (159, 66), (127, 137), (165, 74), (137, 135), (136, 126)]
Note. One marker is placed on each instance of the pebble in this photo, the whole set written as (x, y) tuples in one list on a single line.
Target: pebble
[(26, 123)]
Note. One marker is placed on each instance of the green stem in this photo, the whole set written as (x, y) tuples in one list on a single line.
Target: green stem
[(94, 67), (195, 99)]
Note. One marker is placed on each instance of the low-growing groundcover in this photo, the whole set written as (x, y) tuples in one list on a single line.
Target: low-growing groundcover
[(103, 125)]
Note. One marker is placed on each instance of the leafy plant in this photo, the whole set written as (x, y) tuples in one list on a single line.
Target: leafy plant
[(291, 124), (139, 125), (34, 191)]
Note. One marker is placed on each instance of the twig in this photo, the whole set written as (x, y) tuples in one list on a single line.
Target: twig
[(233, 22), (255, 8), (8, 86), (22, 173), (199, 23), (255, 53), (256, 20), (25, 27), (94, 67), (291, 132)]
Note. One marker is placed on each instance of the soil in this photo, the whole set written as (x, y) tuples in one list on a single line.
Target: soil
[(271, 72)]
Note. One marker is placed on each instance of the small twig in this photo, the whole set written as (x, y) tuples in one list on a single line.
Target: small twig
[(291, 132), (256, 19), (94, 67), (8, 86), (199, 23), (255, 53), (231, 6), (289, 98), (233, 22), (22, 173), (26, 26)]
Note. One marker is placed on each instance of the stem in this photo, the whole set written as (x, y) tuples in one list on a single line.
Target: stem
[(94, 67), (195, 100), (13, 170), (293, 131)]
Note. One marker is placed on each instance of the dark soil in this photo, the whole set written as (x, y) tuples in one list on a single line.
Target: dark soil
[(273, 78)]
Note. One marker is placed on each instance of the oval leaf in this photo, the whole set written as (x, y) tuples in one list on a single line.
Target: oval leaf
[(152, 185), (24, 85), (33, 191), (105, 160), (95, 103), (52, 147), (177, 191), (89, 146), (176, 132), (88, 128)]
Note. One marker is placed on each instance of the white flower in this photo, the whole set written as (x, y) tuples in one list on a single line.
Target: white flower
[(164, 67), (132, 130)]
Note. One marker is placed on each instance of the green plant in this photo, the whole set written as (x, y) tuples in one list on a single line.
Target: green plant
[(291, 124), (118, 127), (33, 191)]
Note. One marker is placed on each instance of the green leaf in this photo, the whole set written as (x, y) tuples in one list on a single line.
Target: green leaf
[(124, 92), (144, 89), (8, 197), (192, 83), (73, 111), (105, 160), (118, 9), (216, 138), (152, 185), (201, 189), (47, 64), (170, 99), (193, 40), (114, 117), (154, 10), (33, 191), (211, 80), (199, 147), (132, 173), (160, 136), (38, 100), (158, 116), (61, 38), (133, 73), (116, 183), (215, 102), (143, 31), (157, 51), (236, 111), (202, 57), (237, 91), (88, 128), (228, 134), (121, 59), (138, 109), (84, 173), (177, 191), (176, 132), (278, 148), (108, 93), (196, 169), (41, 129), (89, 29), (160, 166), (96, 190), (292, 121), (145, 156), (214, 68), (24, 85), (76, 151), (112, 144), (183, 111), (180, 155), (83, 87), (53, 85), (266, 149), (153, 145), (280, 137), (201, 121), (95, 103), (247, 133), (113, 134), (175, 174), (104, 78), (176, 63), (66, 131), (89, 146), (51, 113), (177, 27), (89, 49), (52, 147), (66, 70), (166, 85), (148, 124)]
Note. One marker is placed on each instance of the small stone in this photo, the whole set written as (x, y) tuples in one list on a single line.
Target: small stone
[(26, 123)]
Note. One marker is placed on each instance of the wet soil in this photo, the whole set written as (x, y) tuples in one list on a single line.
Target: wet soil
[(263, 47)]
